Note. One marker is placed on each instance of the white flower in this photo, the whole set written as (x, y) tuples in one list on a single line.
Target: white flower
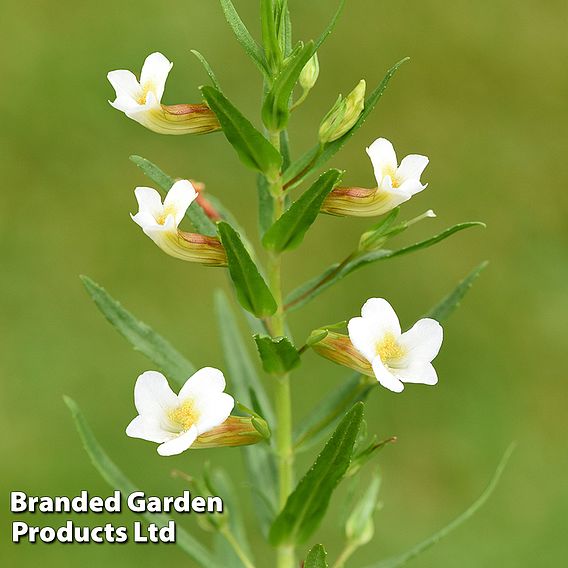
[(175, 421), (395, 184), (396, 357), (142, 101), (160, 221)]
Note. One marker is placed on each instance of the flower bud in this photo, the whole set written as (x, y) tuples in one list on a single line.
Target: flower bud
[(343, 116), (338, 348), (235, 431), (309, 74)]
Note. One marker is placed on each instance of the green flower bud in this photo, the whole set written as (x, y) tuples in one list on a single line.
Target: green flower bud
[(309, 74), (344, 114)]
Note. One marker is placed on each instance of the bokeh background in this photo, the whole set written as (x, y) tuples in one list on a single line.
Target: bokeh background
[(484, 97)]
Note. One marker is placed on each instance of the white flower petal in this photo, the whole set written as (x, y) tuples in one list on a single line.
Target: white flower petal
[(385, 377), (126, 104), (411, 187), (179, 198), (146, 221), (207, 382), (153, 395), (178, 444), (154, 73), (213, 411), (124, 84), (149, 201), (411, 167), (149, 429), (422, 341), (424, 374), (391, 198), (383, 157), (365, 335), (380, 311)]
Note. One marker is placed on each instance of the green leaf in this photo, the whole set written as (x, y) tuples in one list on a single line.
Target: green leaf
[(197, 216), (284, 27), (314, 287), (401, 560), (328, 411), (247, 388), (223, 485), (308, 503), (288, 231), (117, 480), (359, 528), (270, 35), (331, 25), (276, 107), (316, 558), (278, 355), (315, 158), (242, 373), (445, 308), (207, 68), (144, 339), (252, 49), (252, 291), (362, 457), (254, 150)]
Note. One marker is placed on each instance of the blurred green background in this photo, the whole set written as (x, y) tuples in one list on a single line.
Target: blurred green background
[(484, 97)]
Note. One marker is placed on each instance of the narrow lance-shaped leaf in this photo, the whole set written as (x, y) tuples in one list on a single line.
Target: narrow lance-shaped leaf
[(197, 216), (252, 49), (284, 27), (315, 158), (207, 68), (245, 384), (221, 484), (401, 560), (321, 420), (288, 231), (117, 480), (331, 26), (308, 503), (316, 558), (254, 150), (314, 287), (252, 291), (278, 355), (445, 308), (270, 41), (275, 110), (143, 338)]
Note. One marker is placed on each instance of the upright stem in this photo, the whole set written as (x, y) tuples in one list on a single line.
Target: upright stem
[(283, 400)]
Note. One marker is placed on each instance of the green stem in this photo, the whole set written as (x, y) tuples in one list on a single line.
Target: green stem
[(345, 555), (231, 539), (283, 404)]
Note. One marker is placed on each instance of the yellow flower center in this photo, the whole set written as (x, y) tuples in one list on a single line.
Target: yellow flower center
[(146, 88), (166, 212), (392, 174), (388, 349), (185, 415)]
